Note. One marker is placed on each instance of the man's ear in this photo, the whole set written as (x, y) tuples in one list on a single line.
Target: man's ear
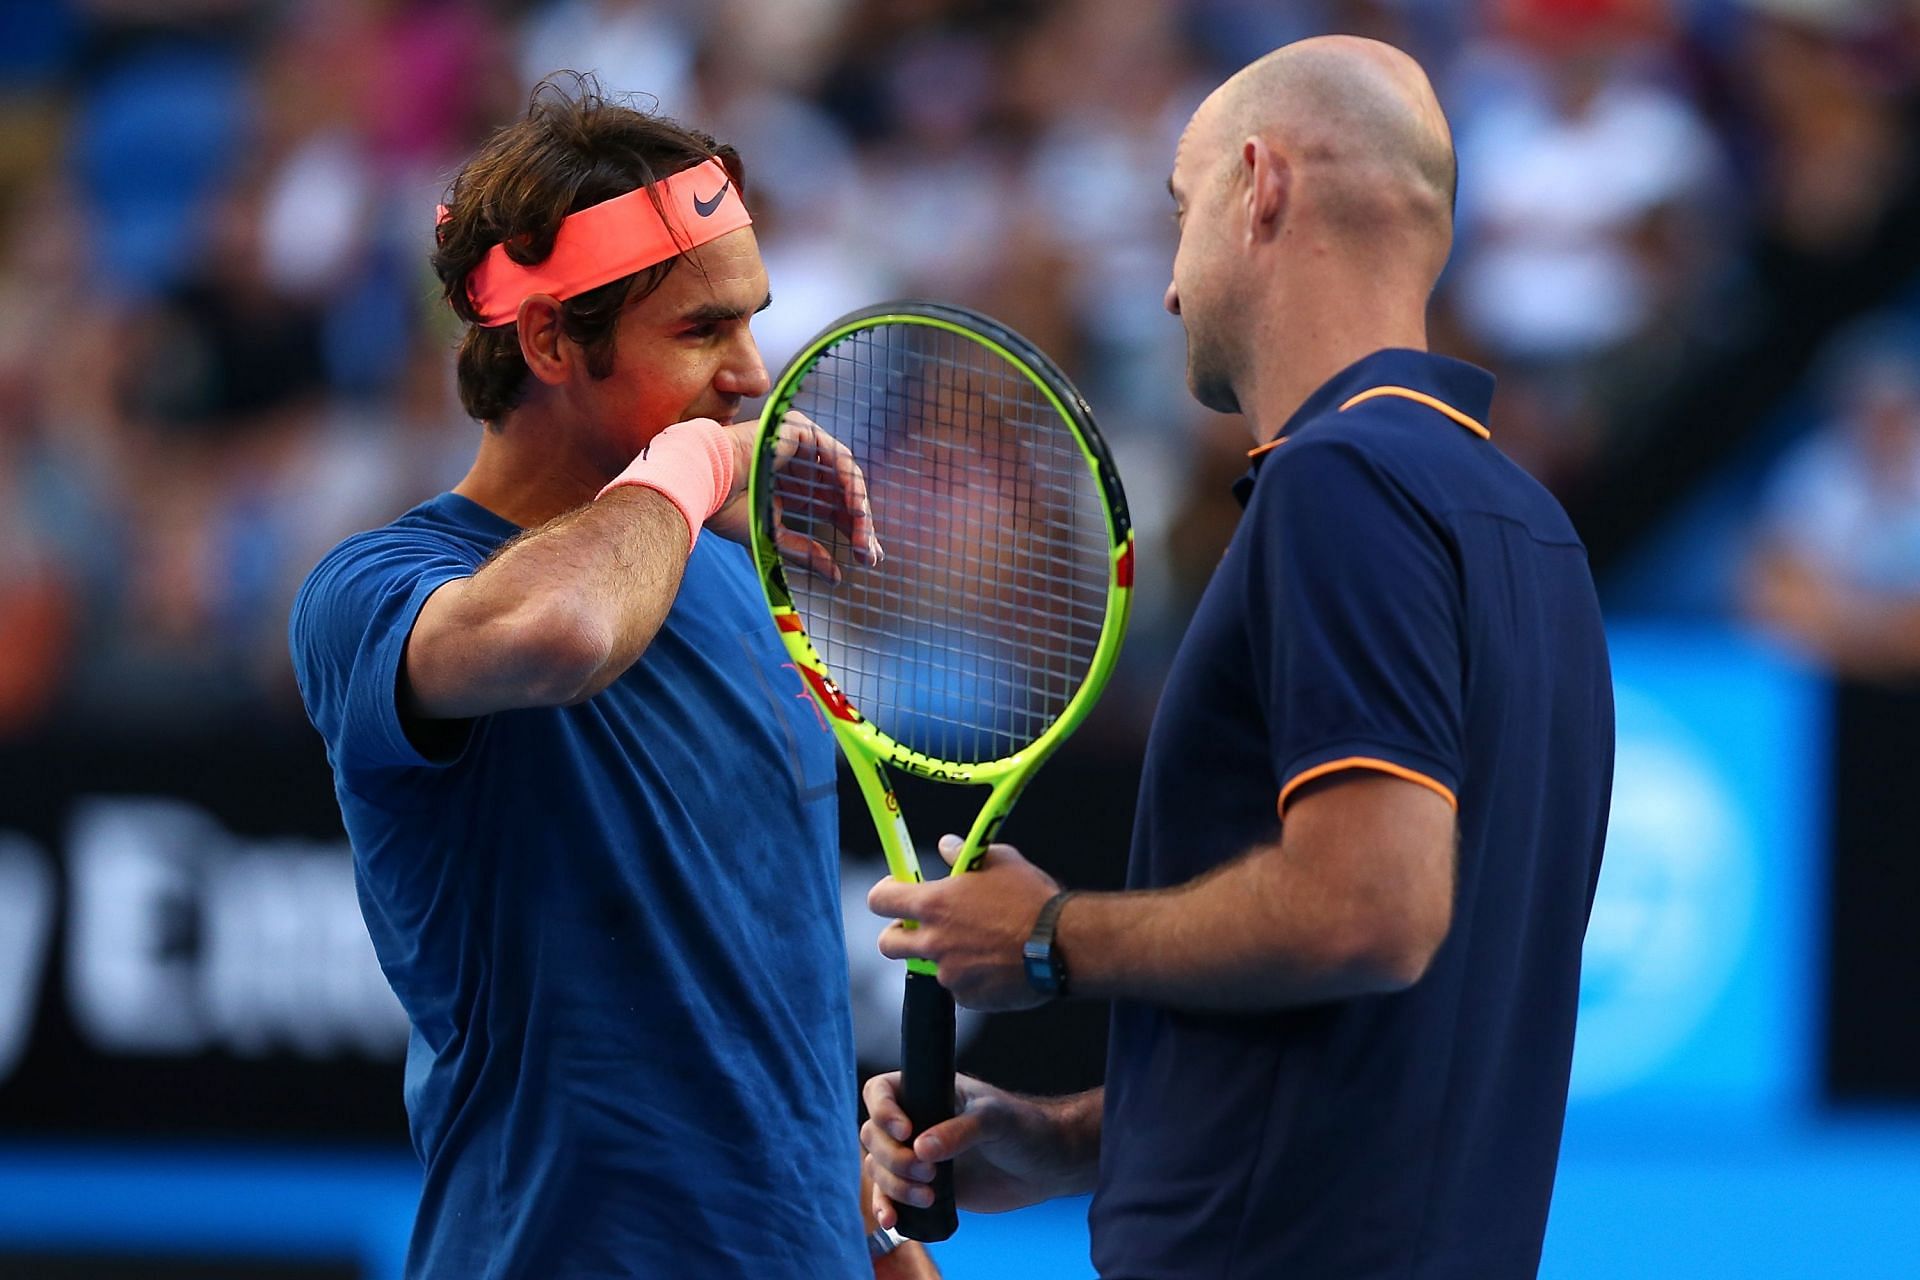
[(543, 343), (1269, 180)]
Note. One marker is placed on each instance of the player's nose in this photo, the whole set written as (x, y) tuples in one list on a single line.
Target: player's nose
[(1172, 301), (746, 373)]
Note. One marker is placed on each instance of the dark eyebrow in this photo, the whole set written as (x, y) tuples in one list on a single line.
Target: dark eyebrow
[(717, 313)]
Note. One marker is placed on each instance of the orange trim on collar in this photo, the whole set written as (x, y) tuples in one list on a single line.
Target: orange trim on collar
[(1421, 397), (1268, 447), (1368, 762)]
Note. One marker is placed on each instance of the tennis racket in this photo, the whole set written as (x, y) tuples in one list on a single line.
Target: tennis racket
[(986, 633)]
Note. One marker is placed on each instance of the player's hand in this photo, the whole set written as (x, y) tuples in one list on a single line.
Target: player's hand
[(1008, 1151), (835, 493), (973, 925), (909, 1260)]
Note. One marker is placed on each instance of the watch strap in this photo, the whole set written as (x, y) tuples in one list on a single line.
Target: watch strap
[(1046, 966)]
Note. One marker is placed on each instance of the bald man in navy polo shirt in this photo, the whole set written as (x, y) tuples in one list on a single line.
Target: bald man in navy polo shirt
[(1346, 965)]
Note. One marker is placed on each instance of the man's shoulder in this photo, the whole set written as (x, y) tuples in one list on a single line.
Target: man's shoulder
[(429, 531), (365, 567), (1325, 470), (1392, 447), (446, 520)]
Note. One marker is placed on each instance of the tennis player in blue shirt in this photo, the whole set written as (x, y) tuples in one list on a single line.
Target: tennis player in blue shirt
[(592, 813), (1346, 966)]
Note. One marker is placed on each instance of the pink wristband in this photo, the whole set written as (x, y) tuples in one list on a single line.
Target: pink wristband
[(690, 464)]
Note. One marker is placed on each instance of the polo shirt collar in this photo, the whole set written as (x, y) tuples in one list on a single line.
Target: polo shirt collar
[(1465, 388)]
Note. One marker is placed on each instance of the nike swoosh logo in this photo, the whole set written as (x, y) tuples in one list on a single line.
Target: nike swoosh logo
[(705, 208)]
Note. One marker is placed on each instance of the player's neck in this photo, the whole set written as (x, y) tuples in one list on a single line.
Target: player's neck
[(529, 472), (1306, 347)]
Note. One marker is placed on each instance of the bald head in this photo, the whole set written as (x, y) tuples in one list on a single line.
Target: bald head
[(1360, 120), (1314, 192)]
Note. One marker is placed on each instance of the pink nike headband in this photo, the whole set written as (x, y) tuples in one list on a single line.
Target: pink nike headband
[(611, 239)]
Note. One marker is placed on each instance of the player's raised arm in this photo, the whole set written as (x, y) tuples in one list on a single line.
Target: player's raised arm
[(575, 450), (558, 614)]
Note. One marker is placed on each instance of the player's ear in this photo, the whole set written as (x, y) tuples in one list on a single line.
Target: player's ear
[(1269, 184), (543, 343)]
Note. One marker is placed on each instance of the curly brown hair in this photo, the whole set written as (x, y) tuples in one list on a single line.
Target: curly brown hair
[(574, 149)]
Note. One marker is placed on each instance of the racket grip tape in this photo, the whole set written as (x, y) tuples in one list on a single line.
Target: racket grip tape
[(926, 1095)]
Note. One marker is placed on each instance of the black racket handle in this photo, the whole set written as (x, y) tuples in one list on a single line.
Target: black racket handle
[(926, 1094)]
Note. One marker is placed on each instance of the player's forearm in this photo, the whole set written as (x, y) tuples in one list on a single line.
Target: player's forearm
[(1075, 1124), (555, 616), (1246, 938), (607, 575), (910, 1261)]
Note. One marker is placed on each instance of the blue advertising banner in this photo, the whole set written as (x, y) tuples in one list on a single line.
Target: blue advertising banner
[(1702, 955)]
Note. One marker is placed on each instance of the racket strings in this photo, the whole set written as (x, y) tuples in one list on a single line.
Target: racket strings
[(974, 634)]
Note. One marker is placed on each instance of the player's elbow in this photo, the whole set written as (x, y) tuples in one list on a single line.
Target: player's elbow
[(469, 657), (1397, 947), (559, 655)]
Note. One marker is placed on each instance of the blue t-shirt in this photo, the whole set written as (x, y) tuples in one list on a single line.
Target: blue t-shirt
[(1398, 597), (615, 927)]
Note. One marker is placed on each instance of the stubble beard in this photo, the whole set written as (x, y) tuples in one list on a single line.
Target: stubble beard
[(1209, 374)]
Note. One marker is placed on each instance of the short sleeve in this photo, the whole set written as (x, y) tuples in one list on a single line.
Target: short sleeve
[(348, 634), (1354, 613)]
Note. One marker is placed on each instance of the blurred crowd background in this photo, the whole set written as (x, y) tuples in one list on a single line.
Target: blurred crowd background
[(1688, 244), (221, 350)]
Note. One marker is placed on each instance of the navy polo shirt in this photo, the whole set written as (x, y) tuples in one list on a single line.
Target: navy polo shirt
[(1399, 597)]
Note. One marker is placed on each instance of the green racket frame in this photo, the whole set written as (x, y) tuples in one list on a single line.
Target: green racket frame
[(867, 749)]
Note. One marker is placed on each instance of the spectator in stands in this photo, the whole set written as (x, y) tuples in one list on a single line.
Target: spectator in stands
[(1823, 83), (1581, 244), (1836, 569), (911, 146)]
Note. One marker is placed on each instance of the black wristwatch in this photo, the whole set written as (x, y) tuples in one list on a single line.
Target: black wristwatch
[(1046, 967)]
